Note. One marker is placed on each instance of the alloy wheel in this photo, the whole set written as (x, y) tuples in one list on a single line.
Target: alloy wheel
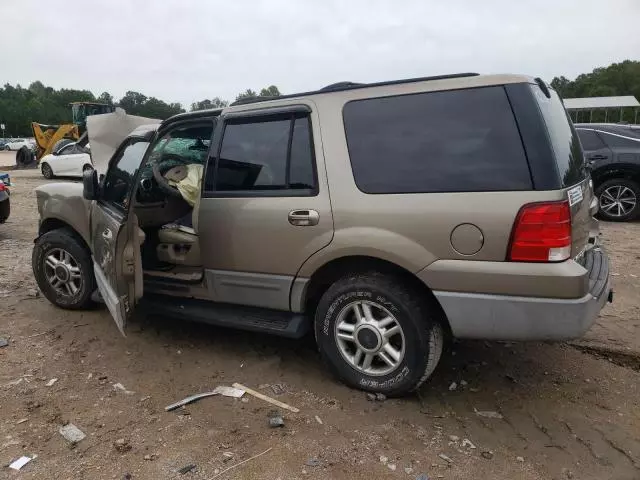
[(618, 201), (63, 272)]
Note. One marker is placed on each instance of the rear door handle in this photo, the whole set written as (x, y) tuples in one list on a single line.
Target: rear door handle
[(304, 218)]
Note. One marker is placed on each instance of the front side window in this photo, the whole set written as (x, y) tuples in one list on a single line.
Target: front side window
[(266, 154), (119, 181), (448, 141)]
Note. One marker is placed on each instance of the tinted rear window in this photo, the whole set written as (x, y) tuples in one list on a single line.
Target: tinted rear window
[(450, 141), (564, 139)]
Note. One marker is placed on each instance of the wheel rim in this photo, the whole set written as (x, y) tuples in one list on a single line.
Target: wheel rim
[(370, 338), (46, 170), (63, 272), (618, 201)]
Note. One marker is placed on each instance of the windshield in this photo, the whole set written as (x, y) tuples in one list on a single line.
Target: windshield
[(564, 139)]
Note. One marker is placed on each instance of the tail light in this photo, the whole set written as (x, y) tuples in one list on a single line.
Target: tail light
[(541, 233), (2, 187)]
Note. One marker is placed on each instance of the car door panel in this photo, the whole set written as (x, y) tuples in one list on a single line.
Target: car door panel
[(253, 243)]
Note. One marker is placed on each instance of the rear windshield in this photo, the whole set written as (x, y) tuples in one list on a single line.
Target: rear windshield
[(564, 139), (449, 141)]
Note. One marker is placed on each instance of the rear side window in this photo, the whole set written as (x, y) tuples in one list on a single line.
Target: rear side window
[(564, 139), (590, 140), (450, 141), (620, 141)]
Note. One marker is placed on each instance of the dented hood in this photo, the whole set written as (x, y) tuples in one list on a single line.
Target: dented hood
[(106, 133)]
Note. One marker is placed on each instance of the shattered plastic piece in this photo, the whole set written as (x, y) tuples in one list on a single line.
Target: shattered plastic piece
[(71, 433), (19, 463), (318, 419), (453, 386), (51, 382), (187, 468), (445, 458), (228, 391), (391, 466), (383, 459), (520, 459), (220, 390), (467, 443), (312, 462), (275, 419), (488, 414)]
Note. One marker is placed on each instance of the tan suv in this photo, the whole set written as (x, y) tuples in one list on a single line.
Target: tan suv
[(384, 217)]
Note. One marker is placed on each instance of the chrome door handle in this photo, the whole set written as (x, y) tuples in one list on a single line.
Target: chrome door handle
[(107, 234), (304, 218)]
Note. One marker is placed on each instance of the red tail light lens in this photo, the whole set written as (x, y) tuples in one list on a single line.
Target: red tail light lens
[(542, 233), (2, 187)]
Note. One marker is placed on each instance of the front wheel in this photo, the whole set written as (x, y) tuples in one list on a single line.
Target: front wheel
[(63, 269), (619, 200), (47, 172), (378, 335)]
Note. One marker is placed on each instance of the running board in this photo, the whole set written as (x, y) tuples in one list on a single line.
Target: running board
[(254, 319)]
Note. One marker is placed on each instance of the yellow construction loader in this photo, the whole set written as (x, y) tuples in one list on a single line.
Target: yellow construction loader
[(48, 137)]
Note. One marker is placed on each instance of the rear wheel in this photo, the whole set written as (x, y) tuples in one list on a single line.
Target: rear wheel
[(47, 172), (376, 334), (87, 168), (63, 269), (619, 200)]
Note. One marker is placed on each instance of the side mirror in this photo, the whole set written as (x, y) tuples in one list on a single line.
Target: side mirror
[(90, 183)]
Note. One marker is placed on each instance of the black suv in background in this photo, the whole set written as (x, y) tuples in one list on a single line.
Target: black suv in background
[(613, 153)]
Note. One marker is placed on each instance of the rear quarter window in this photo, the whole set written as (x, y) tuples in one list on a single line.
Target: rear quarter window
[(447, 141)]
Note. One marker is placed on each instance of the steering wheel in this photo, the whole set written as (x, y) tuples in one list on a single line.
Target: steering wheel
[(159, 170)]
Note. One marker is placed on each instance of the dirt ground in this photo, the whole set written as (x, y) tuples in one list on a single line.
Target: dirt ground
[(567, 410)]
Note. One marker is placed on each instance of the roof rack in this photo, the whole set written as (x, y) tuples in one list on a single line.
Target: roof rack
[(342, 86)]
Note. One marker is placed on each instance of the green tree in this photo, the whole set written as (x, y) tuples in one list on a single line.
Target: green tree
[(271, 91), (105, 97), (207, 104), (246, 95)]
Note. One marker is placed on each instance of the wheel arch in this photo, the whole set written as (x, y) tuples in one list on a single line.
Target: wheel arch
[(306, 298), (629, 171), (52, 223)]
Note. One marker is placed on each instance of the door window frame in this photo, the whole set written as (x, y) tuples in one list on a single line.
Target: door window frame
[(253, 116)]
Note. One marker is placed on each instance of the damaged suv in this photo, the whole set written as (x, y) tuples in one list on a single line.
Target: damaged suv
[(384, 217)]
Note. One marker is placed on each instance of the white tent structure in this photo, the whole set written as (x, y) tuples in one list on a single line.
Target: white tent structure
[(577, 105)]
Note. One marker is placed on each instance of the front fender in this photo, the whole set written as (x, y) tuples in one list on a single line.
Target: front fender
[(63, 202)]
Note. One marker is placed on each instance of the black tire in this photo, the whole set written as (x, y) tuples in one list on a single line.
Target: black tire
[(615, 214), (7, 148), (423, 335), (46, 170), (87, 168), (65, 240)]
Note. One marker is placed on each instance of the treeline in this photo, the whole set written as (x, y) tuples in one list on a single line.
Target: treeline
[(20, 106), (616, 79)]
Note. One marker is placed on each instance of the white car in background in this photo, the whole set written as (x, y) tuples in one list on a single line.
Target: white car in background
[(71, 160), (17, 144)]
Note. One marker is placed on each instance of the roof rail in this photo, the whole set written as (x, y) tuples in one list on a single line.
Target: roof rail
[(342, 86)]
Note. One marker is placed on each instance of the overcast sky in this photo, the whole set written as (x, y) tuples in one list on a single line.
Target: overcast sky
[(187, 50)]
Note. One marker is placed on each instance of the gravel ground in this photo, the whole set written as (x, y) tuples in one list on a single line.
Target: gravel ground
[(567, 410)]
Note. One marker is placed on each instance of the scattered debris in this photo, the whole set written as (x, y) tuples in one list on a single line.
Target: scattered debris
[(3, 343), (467, 443), (408, 470), (242, 462), (119, 386), (445, 458), (71, 433), (422, 476), (220, 390), (261, 396), (380, 397), (122, 445), (488, 414), (187, 468), (51, 382), (277, 389), (275, 419), (21, 462), (383, 459), (520, 459), (313, 462), (391, 466), (487, 454), (454, 438), (463, 383), (318, 419), (371, 397), (22, 420), (228, 454), (453, 386)]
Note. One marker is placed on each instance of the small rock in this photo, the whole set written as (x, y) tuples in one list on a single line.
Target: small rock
[(371, 397), (277, 389), (127, 476), (244, 400), (275, 419), (3, 342), (464, 383), (520, 459), (186, 468), (71, 433), (318, 420), (147, 457), (567, 473), (487, 454), (391, 466), (51, 382), (381, 397), (454, 438), (383, 459), (445, 458), (228, 454), (122, 445), (33, 292), (119, 386), (453, 387), (467, 443), (312, 462), (488, 414), (408, 470)]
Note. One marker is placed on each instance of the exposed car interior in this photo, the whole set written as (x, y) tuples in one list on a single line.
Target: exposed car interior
[(168, 197)]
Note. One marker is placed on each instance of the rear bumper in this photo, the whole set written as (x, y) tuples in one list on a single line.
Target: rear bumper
[(502, 317)]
